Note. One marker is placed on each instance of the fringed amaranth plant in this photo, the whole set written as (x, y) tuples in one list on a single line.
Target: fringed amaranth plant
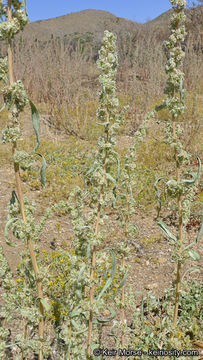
[(15, 18), (102, 192), (181, 188), (89, 213)]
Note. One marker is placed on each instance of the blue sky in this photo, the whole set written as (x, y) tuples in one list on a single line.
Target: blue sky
[(136, 10)]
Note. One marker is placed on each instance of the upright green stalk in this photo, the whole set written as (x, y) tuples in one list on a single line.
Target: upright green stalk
[(88, 208), (101, 177), (174, 86), (16, 99), (182, 190)]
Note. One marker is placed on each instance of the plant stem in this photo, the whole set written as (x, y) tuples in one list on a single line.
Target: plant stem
[(91, 302), (123, 288), (20, 197), (94, 248), (180, 238), (92, 275), (122, 309)]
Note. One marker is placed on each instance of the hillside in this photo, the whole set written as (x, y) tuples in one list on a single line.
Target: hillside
[(92, 21), (96, 21), (194, 24)]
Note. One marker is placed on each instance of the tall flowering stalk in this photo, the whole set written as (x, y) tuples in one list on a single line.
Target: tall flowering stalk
[(181, 189), (15, 98), (99, 195), (101, 177)]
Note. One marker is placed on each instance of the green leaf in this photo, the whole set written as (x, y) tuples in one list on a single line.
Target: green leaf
[(191, 269), (78, 293), (110, 318), (45, 304), (158, 195), (194, 175), (88, 253), (81, 331), (75, 313), (13, 198), (35, 123), (113, 272), (123, 281), (199, 235), (12, 345), (110, 178), (106, 286), (8, 224), (79, 290), (36, 127), (112, 333), (194, 255), (75, 325), (166, 231), (103, 124), (43, 170), (81, 272), (93, 168), (190, 245)]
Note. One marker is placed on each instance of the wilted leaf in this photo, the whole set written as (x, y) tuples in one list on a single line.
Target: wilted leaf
[(110, 318), (8, 224), (191, 269), (166, 231)]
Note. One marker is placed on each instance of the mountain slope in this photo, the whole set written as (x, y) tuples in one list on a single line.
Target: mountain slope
[(92, 21)]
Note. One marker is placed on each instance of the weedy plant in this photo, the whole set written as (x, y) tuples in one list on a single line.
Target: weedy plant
[(15, 18), (100, 187), (80, 286), (181, 188)]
